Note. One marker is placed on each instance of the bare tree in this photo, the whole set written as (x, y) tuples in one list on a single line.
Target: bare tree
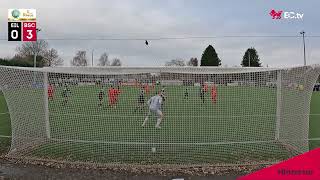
[(38, 48), (26, 52), (193, 62), (52, 58), (175, 62), (80, 59), (104, 60), (116, 62)]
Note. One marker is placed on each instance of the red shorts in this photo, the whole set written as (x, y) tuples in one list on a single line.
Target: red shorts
[(112, 101)]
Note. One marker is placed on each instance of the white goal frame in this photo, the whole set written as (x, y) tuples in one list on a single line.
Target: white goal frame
[(293, 85)]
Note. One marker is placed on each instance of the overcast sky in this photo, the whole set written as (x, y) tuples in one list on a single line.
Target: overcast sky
[(146, 19)]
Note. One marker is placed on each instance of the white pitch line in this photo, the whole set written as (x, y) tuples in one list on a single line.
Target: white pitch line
[(144, 143), (148, 143), (208, 143), (140, 115), (174, 116), (3, 136), (314, 139)]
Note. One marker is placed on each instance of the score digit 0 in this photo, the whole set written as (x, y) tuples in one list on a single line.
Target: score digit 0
[(14, 31), (29, 31)]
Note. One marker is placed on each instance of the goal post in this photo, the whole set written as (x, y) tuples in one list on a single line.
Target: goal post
[(46, 103), (211, 115), (279, 101), (294, 91)]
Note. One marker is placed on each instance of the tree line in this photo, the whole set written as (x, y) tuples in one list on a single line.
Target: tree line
[(210, 58), (80, 59), (47, 56), (25, 53)]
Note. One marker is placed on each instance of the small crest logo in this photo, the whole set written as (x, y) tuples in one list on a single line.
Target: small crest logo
[(275, 14), (15, 13)]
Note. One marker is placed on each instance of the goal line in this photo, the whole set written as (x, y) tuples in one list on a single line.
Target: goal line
[(162, 143)]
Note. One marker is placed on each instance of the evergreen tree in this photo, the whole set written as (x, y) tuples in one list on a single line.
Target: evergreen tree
[(251, 54), (210, 57)]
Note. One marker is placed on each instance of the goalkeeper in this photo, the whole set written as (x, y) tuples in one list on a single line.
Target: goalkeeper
[(155, 103)]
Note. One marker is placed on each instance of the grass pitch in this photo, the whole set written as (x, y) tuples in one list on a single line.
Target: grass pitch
[(192, 131)]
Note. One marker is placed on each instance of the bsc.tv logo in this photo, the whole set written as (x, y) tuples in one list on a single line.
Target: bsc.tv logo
[(285, 14)]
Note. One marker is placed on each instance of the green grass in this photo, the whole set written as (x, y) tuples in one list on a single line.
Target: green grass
[(186, 121), (314, 118), (89, 122), (5, 127), (87, 126)]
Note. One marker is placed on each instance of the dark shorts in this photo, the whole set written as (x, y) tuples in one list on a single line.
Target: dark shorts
[(100, 96), (141, 100)]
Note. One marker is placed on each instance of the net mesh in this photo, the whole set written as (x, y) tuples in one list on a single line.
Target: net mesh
[(209, 115)]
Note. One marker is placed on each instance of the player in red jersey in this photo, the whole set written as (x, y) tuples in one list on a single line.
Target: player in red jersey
[(213, 94), (50, 92), (153, 84), (136, 83), (116, 94), (146, 89), (111, 96), (205, 87)]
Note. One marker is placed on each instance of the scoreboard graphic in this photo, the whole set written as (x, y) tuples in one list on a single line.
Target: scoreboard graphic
[(22, 25)]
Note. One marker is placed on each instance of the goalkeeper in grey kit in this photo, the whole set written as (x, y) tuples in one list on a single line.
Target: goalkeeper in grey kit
[(155, 103)]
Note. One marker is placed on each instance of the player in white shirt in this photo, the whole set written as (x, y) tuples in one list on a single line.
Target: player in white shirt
[(155, 103)]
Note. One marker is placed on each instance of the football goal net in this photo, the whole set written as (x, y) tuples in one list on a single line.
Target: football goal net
[(160, 115)]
